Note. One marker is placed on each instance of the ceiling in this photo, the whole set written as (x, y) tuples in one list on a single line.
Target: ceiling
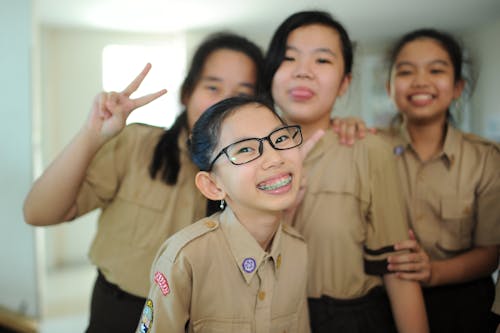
[(363, 18)]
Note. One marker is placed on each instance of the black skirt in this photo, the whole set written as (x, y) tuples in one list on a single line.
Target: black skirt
[(371, 313), (113, 310), (461, 308)]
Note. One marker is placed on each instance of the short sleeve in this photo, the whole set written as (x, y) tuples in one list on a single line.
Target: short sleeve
[(104, 173), (488, 201), (387, 224), (168, 303)]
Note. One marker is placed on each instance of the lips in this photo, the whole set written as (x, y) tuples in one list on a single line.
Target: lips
[(301, 93), (276, 184)]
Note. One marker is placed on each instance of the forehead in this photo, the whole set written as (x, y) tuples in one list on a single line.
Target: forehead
[(313, 37), (229, 64), (423, 50), (249, 121)]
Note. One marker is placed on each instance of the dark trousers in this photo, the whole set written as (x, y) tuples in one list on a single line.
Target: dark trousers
[(461, 308), (113, 310), (371, 313)]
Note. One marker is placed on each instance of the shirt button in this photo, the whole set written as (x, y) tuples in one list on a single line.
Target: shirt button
[(210, 224), (278, 261), (262, 295)]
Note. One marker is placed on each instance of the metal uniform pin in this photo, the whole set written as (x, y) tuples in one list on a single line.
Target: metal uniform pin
[(249, 265), (398, 150)]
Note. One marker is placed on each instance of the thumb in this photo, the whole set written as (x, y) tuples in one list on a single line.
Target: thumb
[(411, 233)]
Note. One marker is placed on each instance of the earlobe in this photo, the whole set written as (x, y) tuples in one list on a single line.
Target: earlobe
[(208, 186), (459, 87), (346, 81)]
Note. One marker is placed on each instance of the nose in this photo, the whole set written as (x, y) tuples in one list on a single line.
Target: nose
[(303, 69), (420, 79), (270, 156)]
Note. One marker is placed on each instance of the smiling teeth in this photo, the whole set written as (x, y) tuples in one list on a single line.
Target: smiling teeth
[(421, 97), (278, 184)]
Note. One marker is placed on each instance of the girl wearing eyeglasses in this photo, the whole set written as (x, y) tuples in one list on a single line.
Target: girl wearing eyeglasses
[(242, 269)]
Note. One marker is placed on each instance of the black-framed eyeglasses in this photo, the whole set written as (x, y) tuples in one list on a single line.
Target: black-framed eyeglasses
[(247, 150)]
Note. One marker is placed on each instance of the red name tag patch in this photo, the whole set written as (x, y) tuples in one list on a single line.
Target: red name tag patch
[(162, 282)]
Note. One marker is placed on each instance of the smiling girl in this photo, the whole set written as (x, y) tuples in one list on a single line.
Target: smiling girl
[(451, 185), (241, 270)]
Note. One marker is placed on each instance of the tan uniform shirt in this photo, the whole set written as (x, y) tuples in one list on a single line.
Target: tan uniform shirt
[(213, 276), (452, 200), (138, 213), (351, 216)]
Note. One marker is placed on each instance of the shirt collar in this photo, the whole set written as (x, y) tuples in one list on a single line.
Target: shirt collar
[(450, 146), (247, 253)]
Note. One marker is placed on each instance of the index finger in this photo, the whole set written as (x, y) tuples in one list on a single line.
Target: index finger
[(309, 143), (132, 87), (143, 100)]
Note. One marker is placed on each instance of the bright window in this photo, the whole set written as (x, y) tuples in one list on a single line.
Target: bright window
[(122, 63)]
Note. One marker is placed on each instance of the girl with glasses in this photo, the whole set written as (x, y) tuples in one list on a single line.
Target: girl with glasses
[(240, 270)]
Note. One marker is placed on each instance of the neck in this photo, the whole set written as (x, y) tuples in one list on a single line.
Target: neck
[(309, 128), (261, 226), (427, 139)]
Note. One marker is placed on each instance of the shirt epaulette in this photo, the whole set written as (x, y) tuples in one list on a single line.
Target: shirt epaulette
[(292, 232), (187, 235), (478, 139)]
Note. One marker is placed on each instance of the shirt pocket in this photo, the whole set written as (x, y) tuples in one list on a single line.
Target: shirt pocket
[(288, 324), (456, 225), (147, 211), (215, 325)]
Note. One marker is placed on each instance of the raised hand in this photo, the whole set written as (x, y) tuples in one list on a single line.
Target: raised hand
[(415, 265), (110, 110)]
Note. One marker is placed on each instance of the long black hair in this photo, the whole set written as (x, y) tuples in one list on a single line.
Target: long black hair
[(278, 45), (166, 154)]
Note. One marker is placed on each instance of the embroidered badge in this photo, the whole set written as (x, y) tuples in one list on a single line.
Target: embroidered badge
[(249, 265), (398, 150), (146, 321), (161, 281)]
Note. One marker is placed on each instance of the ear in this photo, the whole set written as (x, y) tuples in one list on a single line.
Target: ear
[(388, 88), (208, 186), (459, 88), (344, 85)]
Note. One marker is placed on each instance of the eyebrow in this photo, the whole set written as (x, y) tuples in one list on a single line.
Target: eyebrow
[(434, 62), (316, 50), (218, 79)]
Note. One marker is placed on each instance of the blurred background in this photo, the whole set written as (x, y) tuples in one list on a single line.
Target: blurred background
[(56, 55)]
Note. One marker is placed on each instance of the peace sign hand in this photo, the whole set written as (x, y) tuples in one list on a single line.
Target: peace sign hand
[(110, 110)]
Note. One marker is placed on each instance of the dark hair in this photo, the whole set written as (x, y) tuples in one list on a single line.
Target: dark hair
[(166, 155), (206, 131), (277, 47), (449, 43)]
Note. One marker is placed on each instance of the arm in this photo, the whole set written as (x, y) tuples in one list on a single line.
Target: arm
[(169, 298), (52, 198), (407, 304)]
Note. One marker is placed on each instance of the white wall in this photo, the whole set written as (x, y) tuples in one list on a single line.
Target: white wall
[(18, 276), (485, 42)]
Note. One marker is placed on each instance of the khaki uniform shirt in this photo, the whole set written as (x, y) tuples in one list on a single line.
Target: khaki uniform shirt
[(351, 216), (452, 200), (138, 213), (213, 276)]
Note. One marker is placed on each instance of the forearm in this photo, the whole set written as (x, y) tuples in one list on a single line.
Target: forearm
[(407, 304), (473, 264), (52, 197)]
